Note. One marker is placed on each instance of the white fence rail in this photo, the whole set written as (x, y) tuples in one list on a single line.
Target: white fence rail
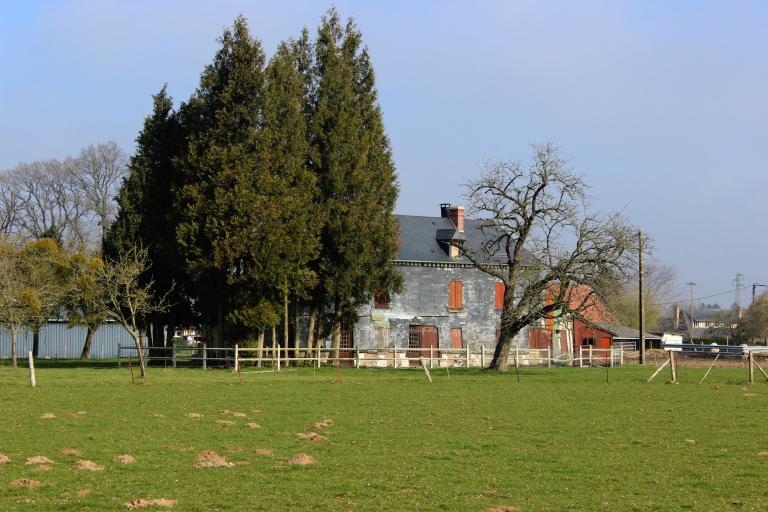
[(391, 357)]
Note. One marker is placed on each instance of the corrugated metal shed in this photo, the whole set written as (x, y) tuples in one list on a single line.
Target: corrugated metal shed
[(59, 341)]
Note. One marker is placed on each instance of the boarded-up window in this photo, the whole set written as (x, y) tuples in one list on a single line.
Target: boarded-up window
[(382, 336), (346, 340), (499, 295), (414, 336), (456, 338), (456, 295), (381, 300)]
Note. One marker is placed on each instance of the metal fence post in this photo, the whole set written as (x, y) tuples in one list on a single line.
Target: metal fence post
[(173, 347), (318, 353), (431, 357), (751, 367), (467, 355), (205, 358), (237, 359), (278, 357)]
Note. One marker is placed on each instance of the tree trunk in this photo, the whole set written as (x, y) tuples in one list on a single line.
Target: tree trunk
[(86, 352), (336, 336), (286, 341), (260, 346), (311, 338), (36, 342), (140, 349), (14, 348), (500, 359)]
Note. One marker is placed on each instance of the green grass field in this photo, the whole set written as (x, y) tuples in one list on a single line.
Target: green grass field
[(561, 439)]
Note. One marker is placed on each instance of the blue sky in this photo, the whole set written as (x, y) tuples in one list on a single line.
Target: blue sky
[(661, 105)]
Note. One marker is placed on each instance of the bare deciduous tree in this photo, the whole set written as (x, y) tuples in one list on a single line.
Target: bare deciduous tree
[(10, 206), (98, 172), (127, 298), (51, 204), (543, 242)]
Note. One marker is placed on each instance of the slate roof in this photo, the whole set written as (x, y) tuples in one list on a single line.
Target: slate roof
[(419, 238)]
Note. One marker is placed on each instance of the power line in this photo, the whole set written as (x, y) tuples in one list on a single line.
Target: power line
[(695, 298)]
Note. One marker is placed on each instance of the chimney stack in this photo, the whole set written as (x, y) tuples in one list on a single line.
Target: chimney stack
[(457, 217)]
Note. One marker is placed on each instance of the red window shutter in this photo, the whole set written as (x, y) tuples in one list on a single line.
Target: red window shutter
[(456, 295), (499, 295)]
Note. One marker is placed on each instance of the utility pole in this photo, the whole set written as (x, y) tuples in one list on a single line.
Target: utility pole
[(641, 312), (690, 308), (755, 285)]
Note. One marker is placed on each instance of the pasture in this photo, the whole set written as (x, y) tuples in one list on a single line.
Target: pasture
[(560, 439)]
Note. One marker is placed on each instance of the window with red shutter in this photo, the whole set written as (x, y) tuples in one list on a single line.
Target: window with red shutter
[(381, 300), (500, 295), (456, 295)]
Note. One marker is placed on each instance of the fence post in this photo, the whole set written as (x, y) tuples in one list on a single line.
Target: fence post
[(621, 356), (590, 355), (672, 366), (357, 357), (173, 347), (318, 353), (431, 357), (482, 356), (467, 355), (549, 357), (394, 357), (751, 367), (237, 358), (33, 380), (581, 356), (119, 348), (278, 357), (205, 358)]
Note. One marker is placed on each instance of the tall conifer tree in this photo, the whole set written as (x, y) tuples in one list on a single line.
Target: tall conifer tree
[(356, 176)]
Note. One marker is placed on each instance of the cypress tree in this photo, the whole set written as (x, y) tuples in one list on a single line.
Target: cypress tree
[(146, 214), (222, 120), (356, 176)]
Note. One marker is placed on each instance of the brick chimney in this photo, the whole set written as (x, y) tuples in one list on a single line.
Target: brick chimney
[(457, 217)]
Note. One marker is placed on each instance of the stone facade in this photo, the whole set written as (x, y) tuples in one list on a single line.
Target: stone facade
[(425, 301)]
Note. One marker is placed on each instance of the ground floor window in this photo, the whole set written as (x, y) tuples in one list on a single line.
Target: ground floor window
[(414, 336), (346, 340)]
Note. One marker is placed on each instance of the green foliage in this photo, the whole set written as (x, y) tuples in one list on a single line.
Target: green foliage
[(352, 158)]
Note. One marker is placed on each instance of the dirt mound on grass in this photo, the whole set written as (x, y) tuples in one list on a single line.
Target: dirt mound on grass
[(70, 452), (302, 459), (157, 415), (88, 465), (211, 459), (47, 416), (312, 436), (38, 459), (4, 459), (762, 454), (502, 508), (252, 425), (320, 425), (262, 451), (239, 415), (84, 492), (225, 423), (43, 467), (26, 482), (193, 415), (142, 503), (124, 459)]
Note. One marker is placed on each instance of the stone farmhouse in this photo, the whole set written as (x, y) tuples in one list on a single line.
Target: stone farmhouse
[(445, 301)]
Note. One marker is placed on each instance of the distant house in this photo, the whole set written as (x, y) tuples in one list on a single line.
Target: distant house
[(703, 323)]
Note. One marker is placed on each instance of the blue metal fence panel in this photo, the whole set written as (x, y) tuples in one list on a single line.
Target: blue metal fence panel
[(59, 341)]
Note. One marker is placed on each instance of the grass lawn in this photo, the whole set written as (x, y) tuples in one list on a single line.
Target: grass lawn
[(561, 439)]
